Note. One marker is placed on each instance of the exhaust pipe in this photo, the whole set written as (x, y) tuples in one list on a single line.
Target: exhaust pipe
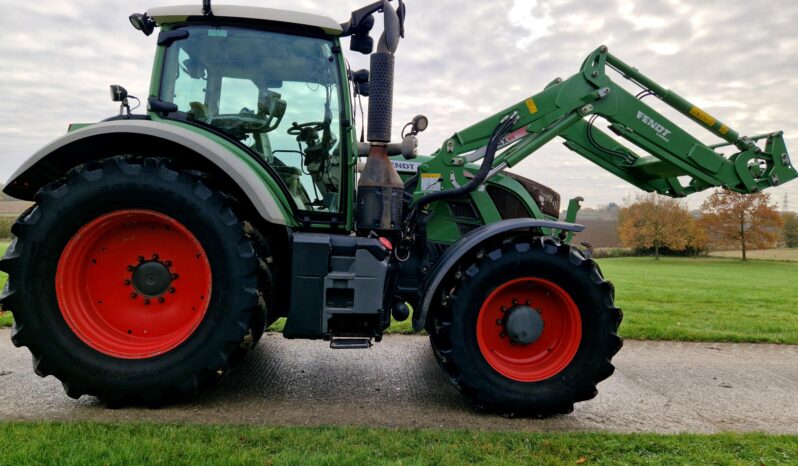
[(380, 189)]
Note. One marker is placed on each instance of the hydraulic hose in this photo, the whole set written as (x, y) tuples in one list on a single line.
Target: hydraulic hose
[(487, 164)]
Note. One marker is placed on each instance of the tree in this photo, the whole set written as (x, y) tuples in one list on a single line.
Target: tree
[(654, 221), (697, 237), (790, 229), (747, 221)]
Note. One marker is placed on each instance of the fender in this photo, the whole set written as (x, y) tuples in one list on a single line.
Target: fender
[(470, 241), (52, 162)]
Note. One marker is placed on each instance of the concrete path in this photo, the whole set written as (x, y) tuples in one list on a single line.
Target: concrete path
[(657, 387)]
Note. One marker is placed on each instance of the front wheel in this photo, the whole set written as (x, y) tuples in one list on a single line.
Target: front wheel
[(132, 280), (531, 328)]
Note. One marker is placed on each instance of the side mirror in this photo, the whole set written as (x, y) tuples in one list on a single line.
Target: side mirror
[(362, 21), (389, 41), (118, 93)]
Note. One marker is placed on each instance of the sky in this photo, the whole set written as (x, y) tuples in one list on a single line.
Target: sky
[(461, 61)]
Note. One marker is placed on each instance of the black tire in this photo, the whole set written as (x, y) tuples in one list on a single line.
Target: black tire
[(453, 328), (95, 189)]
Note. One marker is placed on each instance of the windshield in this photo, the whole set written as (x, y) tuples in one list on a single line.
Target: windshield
[(279, 94)]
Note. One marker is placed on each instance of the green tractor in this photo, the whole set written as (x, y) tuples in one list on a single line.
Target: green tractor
[(160, 246)]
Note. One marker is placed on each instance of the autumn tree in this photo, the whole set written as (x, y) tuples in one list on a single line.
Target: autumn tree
[(654, 221), (697, 237), (790, 229), (747, 221)]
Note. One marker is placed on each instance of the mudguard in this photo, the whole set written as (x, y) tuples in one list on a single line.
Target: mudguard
[(457, 251), (53, 161)]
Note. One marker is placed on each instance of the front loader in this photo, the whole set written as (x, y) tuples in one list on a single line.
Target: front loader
[(161, 245)]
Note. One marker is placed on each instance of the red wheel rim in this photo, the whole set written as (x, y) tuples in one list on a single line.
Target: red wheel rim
[(551, 352), (133, 284)]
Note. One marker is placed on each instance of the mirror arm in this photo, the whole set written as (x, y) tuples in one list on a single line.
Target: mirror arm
[(358, 16)]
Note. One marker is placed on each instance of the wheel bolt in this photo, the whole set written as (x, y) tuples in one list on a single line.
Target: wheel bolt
[(155, 257), (161, 300), (515, 302), (134, 295), (528, 302), (175, 276), (141, 258), (146, 301), (498, 322), (168, 263), (503, 309), (172, 289), (127, 282), (130, 268), (502, 334)]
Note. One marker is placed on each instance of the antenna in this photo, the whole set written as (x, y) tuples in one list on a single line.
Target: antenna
[(785, 207), (206, 8)]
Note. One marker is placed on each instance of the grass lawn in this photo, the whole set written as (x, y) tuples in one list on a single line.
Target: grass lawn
[(5, 317), (130, 444), (704, 299)]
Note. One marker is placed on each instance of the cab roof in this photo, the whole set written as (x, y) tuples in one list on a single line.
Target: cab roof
[(177, 14)]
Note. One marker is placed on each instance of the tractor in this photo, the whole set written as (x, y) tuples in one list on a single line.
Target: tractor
[(161, 245)]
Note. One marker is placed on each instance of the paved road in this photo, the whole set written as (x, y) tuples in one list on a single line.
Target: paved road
[(657, 387)]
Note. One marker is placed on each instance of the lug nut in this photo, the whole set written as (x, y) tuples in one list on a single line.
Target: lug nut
[(134, 295), (141, 258), (515, 302), (146, 301), (155, 257), (127, 282), (130, 268), (175, 276), (502, 335), (161, 300), (172, 290), (498, 321), (168, 263)]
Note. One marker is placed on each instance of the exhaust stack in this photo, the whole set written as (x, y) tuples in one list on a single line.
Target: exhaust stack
[(380, 189)]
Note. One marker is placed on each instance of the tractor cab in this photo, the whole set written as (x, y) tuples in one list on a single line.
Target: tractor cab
[(239, 74)]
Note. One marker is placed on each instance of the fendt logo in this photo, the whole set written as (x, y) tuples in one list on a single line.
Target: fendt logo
[(406, 167), (662, 132)]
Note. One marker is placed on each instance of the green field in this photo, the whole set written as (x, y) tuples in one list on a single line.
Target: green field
[(706, 299), (131, 444), (703, 299), (5, 318)]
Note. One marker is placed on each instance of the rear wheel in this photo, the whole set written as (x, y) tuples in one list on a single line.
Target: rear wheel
[(132, 281), (530, 330)]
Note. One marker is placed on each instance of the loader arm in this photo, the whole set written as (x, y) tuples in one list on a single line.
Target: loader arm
[(659, 154)]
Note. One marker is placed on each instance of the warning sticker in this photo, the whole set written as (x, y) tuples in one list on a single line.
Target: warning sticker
[(703, 116), (724, 129), (431, 182), (531, 105)]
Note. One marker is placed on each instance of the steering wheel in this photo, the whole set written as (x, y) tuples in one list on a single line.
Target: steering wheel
[(296, 128)]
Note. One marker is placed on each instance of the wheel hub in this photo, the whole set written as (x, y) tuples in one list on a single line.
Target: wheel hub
[(118, 295), (529, 329), (152, 278), (523, 324)]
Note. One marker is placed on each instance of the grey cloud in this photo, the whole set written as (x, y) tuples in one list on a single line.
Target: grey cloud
[(461, 62)]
